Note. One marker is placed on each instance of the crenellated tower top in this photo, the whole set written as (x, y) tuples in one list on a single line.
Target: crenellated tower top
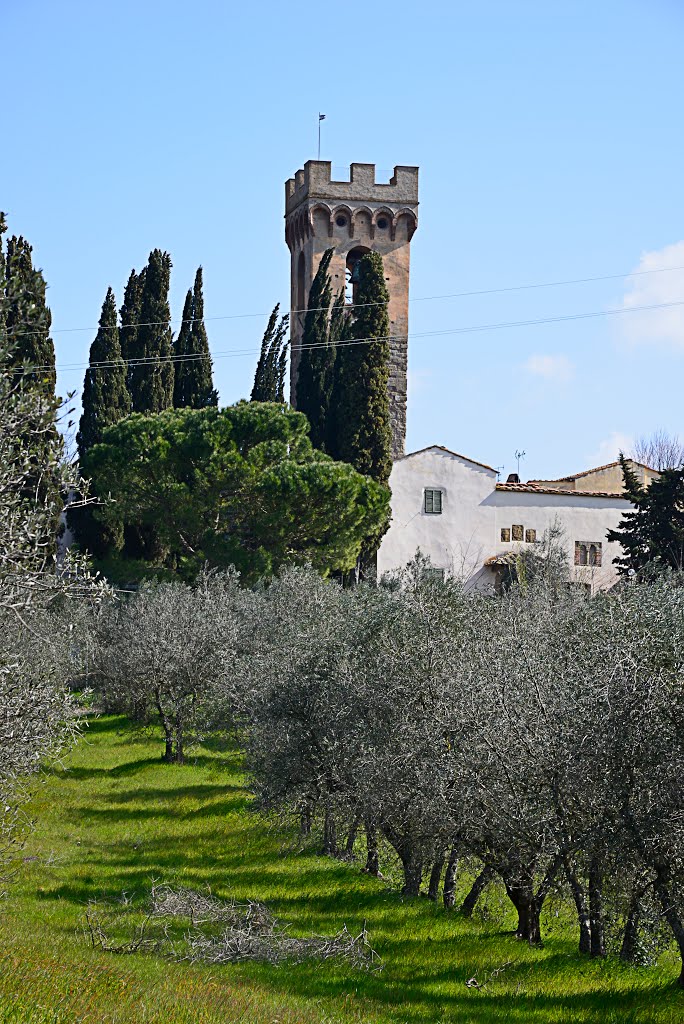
[(314, 180), (353, 217)]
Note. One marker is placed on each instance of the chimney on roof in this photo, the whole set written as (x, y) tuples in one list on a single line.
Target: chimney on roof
[(513, 478)]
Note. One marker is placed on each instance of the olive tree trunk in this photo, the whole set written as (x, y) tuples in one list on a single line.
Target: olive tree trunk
[(476, 890), (449, 890)]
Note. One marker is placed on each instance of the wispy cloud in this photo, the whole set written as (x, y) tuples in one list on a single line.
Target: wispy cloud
[(656, 326), (609, 449), (557, 368)]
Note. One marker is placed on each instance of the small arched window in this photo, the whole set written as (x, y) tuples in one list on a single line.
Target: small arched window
[(588, 552), (351, 277)]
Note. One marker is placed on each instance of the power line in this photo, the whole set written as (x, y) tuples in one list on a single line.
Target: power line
[(473, 329), (422, 298)]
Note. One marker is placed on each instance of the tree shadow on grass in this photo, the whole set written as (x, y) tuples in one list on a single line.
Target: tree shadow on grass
[(105, 723), (118, 771), (116, 814), (408, 994), (133, 767), (207, 793)]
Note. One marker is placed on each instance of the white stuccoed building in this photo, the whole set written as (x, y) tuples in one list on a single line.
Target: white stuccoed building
[(452, 509)]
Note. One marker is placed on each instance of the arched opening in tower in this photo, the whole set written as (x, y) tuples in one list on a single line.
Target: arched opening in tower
[(351, 277)]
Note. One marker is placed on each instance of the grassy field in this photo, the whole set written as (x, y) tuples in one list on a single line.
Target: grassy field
[(116, 818)]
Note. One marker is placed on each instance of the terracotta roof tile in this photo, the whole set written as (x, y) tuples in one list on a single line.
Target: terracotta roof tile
[(533, 488)]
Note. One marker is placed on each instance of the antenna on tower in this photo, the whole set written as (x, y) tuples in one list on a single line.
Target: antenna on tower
[(321, 117), (519, 455)]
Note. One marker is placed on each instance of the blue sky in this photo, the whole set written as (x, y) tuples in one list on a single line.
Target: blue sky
[(549, 137)]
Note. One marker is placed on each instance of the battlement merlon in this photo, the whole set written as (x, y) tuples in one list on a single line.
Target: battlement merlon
[(314, 180)]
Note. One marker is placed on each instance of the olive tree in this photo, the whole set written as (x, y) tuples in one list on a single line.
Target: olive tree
[(161, 653), (290, 697), (539, 733), (38, 598)]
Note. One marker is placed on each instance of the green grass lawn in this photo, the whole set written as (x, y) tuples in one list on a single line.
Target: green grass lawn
[(116, 818)]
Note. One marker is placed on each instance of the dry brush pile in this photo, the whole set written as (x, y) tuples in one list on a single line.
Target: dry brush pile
[(198, 927)]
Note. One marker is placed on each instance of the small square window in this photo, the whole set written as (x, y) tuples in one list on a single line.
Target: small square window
[(505, 535), (433, 501), (530, 536), (518, 532)]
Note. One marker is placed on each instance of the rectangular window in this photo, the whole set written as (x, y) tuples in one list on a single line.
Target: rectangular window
[(530, 536), (518, 532), (505, 535), (433, 501), (588, 552)]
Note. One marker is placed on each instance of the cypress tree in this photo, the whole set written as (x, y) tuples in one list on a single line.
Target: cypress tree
[(339, 332), (281, 370), (130, 318), (317, 359), (194, 387), (105, 394), (652, 535), (360, 394), (260, 386), (27, 318), (181, 348), (269, 378), (25, 331), (152, 381), (3, 283)]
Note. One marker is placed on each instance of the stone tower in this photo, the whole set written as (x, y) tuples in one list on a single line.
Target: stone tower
[(356, 217)]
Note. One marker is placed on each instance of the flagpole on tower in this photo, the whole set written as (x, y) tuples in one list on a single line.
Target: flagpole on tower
[(321, 117)]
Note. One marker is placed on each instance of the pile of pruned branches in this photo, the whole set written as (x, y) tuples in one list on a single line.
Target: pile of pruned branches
[(220, 931)]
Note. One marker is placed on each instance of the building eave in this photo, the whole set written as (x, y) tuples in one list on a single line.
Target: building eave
[(447, 451)]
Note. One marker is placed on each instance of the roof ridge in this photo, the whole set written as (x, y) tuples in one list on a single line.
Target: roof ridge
[(598, 469), (449, 451)]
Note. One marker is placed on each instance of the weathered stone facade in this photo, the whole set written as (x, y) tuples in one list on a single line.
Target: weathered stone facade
[(354, 216)]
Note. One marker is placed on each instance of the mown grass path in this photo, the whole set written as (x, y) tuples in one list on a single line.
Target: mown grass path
[(116, 818)]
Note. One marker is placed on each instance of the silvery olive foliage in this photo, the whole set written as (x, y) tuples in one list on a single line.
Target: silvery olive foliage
[(37, 712), (539, 734), (161, 652), (41, 603)]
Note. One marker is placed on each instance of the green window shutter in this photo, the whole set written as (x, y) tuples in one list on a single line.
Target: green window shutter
[(433, 501)]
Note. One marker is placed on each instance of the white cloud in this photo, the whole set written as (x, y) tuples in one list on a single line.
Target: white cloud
[(557, 368), (609, 449), (656, 326)]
